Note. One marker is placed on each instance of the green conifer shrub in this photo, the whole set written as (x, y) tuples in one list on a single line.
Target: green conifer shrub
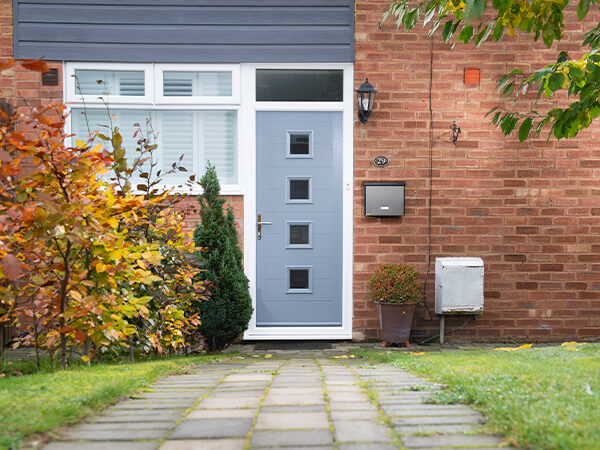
[(227, 312)]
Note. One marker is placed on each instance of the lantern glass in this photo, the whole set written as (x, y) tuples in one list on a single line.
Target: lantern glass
[(366, 97)]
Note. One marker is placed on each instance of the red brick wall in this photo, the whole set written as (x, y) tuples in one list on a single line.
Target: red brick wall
[(530, 210)]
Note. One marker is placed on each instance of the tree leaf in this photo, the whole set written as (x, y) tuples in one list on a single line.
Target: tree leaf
[(11, 267), (466, 34), (582, 8), (555, 81), (447, 31), (562, 57), (525, 128), (35, 64), (410, 19)]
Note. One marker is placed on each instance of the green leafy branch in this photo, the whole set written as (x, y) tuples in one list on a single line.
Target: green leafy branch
[(475, 21), (579, 78), (464, 20)]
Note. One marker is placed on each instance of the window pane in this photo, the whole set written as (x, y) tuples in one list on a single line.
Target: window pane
[(299, 190), (299, 85), (109, 82), (218, 143), (299, 234), (299, 279), (176, 130), (98, 120), (202, 84), (199, 136), (299, 144)]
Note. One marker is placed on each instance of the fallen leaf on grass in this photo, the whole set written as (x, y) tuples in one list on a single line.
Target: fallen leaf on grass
[(588, 389), (512, 349), (418, 353), (238, 357), (572, 346)]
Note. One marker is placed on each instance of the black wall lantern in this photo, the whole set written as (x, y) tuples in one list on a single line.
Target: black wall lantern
[(365, 95)]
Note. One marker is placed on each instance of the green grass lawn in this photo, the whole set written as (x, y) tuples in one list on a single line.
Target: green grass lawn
[(539, 398), (43, 401)]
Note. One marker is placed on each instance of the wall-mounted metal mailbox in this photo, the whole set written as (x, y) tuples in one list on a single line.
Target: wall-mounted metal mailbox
[(384, 198)]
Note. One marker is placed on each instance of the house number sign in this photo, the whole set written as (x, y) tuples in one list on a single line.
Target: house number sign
[(381, 161)]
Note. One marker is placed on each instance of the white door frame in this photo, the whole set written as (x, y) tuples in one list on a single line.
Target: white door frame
[(247, 178)]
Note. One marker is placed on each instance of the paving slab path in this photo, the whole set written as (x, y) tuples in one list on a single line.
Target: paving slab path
[(294, 400)]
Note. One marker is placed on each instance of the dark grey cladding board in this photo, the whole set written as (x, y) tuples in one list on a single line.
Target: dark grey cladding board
[(185, 31)]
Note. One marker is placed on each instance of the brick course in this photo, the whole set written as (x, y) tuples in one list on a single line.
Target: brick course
[(529, 210)]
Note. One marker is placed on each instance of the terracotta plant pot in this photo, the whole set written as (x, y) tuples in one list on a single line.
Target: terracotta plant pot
[(395, 321)]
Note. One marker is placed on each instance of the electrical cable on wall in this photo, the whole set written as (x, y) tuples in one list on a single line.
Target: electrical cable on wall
[(430, 178)]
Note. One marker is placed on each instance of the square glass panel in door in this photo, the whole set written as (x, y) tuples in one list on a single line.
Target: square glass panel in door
[(298, 189), (299, 280), (299, 144), (299, 235), (302, 199)]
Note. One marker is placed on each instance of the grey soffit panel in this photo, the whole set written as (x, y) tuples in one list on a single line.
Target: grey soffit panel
[(185, 31)]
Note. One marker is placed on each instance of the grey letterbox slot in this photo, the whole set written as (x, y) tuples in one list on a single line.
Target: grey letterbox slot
[(384, 198)]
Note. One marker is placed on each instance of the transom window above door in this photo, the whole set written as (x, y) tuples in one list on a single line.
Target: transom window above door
[(192, 110)]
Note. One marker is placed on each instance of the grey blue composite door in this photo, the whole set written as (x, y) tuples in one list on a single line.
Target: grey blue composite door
[(299, 202)]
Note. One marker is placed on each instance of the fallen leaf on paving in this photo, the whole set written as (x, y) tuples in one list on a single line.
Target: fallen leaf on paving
[(256, 356), (268, 355)]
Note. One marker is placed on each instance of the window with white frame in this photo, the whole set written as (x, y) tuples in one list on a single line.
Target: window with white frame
[(192, 109)]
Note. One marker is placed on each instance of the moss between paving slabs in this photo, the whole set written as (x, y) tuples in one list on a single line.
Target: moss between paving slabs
[(539, 397), (44, 401)]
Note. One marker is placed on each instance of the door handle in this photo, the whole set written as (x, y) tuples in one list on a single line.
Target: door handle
[(259, 224)]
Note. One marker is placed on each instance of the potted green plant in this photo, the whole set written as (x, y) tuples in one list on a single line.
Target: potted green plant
[(396, 288)]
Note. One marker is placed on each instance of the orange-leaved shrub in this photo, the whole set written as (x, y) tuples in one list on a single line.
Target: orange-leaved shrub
[(90, 266)]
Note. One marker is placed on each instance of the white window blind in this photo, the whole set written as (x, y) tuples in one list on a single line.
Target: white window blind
[(99, 120), (199, 136), (110, 82), (177, 137), (218, 140), (197, 84)]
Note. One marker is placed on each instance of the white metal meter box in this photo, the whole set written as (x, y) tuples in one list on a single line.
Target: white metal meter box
[(458, 285)]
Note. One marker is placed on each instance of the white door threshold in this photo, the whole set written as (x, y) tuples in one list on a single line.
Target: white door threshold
[(279, 333)]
